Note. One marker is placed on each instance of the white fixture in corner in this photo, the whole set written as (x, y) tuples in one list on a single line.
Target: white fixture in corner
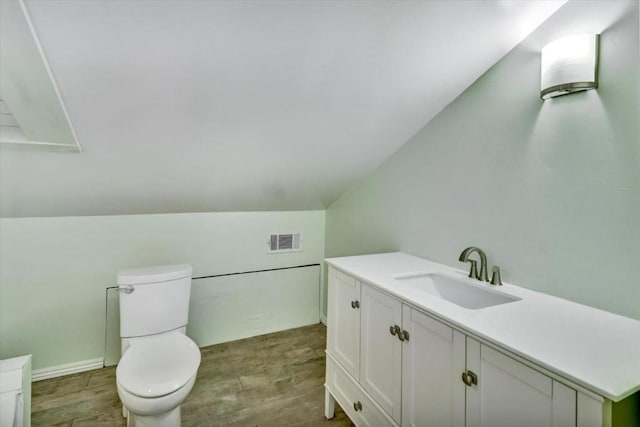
[(569, 64), (15, 392)]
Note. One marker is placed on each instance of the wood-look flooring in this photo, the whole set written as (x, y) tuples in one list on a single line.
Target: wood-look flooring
[(270, 380)]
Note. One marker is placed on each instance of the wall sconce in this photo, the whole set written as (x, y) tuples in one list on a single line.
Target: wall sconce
[(569, 64)]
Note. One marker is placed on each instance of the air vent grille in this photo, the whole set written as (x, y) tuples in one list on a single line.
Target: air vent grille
[(284, 242)]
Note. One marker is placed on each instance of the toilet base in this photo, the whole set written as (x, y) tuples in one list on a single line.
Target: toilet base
[(163, 411), (167, 419)]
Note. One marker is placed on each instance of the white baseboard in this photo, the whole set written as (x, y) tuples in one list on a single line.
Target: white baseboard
[(68, 369), (323, 319)]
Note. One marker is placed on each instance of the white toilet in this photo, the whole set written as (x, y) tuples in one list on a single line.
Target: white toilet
[(159, 362)]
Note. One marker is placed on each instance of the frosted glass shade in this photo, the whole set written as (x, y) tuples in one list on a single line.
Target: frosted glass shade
[(569, 64)]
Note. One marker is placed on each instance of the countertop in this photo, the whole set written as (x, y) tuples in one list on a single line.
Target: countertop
[(595, 349)]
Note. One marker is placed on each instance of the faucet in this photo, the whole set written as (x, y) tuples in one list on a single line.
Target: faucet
[(473, 272), (482, 275), (495, 276)]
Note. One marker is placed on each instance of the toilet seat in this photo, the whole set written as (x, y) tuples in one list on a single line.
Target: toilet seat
[(158, 365)]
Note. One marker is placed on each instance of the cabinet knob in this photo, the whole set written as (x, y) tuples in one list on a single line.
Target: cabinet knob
[(397, 331), (357, 406), (469, 378), (355, 304)]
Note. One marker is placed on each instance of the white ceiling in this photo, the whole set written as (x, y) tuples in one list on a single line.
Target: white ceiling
[(187, 106)]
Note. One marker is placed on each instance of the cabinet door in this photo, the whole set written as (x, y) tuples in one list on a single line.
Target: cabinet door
[(381, 352), (509, 393), (343, 317), (432, 363)]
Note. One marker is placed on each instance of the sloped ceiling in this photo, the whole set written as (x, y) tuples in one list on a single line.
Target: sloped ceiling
[(188, 106)]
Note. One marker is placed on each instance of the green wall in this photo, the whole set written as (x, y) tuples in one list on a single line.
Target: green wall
[(54, 273), (550, 190)]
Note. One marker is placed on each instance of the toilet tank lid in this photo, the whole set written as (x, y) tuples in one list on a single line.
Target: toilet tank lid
[(147, 275)]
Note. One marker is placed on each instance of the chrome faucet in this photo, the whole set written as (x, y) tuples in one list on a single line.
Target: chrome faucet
[(473, 272)]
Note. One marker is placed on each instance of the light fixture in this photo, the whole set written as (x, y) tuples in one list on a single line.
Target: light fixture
[(569, 64)]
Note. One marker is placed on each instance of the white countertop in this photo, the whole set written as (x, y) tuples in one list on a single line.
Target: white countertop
[(595, 349)]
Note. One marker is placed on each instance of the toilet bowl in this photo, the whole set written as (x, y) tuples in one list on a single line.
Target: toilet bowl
[(154, 376)]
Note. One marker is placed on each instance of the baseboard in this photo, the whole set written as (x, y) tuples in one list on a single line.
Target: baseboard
[(323, 319), (68, 369)]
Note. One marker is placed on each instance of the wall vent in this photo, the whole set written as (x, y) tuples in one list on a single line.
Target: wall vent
[(284, 242)]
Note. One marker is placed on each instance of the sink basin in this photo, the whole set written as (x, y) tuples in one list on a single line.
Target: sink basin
[(462, 291)]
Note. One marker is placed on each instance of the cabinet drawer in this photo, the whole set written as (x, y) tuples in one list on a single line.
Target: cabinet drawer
[(348, 393)]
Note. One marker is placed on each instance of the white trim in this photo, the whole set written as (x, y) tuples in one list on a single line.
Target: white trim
[(323, 319), (68, 369), (54, 145)]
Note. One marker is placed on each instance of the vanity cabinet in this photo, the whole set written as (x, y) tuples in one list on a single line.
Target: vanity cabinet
[(344, 356), (389, 363), (508, 393), (433, 360), (381, 352), (343, 321)]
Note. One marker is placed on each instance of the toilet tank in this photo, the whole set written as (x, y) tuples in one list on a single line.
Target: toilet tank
[(159, 301)]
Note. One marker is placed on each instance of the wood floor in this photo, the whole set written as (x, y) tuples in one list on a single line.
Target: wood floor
[(271, 380)]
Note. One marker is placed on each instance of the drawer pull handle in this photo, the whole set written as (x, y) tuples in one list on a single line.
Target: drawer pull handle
[(355, 304), (395, 329), (357, 406)]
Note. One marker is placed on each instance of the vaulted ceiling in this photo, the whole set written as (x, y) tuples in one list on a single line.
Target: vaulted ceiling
[(190, 106)]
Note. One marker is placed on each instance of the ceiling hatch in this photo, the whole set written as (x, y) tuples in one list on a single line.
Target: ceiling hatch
[(32, 111)]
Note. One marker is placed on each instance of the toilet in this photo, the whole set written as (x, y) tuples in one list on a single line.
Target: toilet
[(158, 366)]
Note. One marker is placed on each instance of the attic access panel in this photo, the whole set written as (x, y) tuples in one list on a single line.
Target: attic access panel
[(34, 114)]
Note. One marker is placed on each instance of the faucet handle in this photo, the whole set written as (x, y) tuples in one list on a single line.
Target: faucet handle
[(473, 272), (495, 276)]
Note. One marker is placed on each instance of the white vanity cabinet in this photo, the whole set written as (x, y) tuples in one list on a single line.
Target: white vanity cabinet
[(433, 360), (343, 321), (380, 349), (344, 355), (509, 393), (389, 363)]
